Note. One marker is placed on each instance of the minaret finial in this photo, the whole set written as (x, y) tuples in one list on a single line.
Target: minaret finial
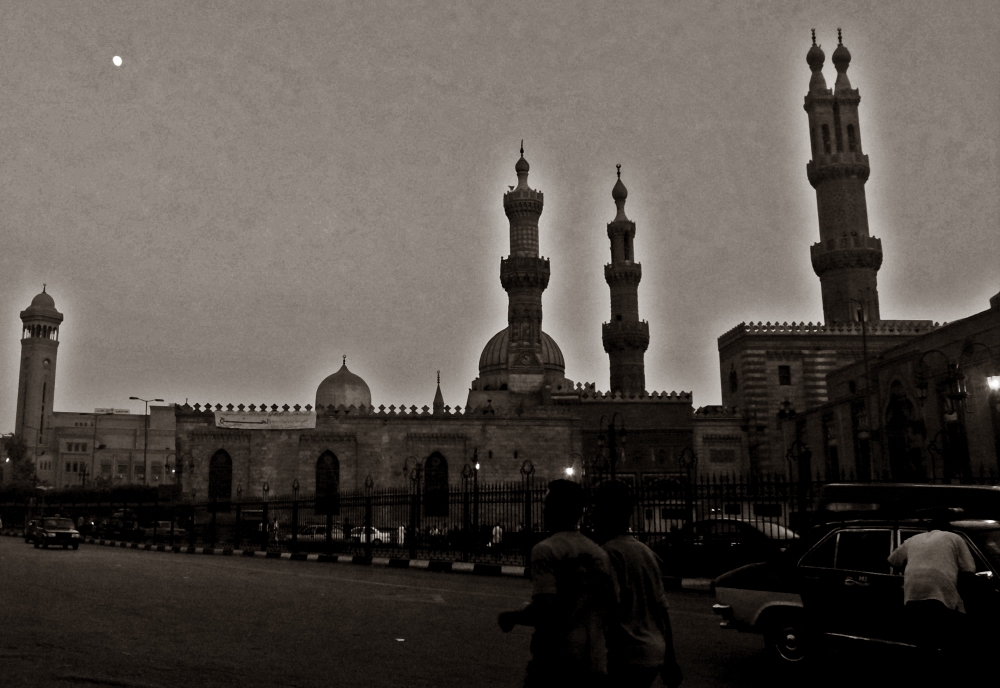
[(619, 166), (522, 148), (840, 39), (344, 357), (43, 287), (439, 377), (814, 36)]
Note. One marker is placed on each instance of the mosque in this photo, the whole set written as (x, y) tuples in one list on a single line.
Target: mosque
[(783, 385)]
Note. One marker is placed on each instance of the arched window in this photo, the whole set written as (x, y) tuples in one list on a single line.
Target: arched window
[(220, 477), (327, 484), (436, 485), (826, 139), (852, 145)]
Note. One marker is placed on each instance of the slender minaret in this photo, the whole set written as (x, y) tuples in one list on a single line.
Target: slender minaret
[(846, 258), (37, 380), (524, 277), (625, 337)]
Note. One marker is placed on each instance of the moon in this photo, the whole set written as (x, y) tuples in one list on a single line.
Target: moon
[(117, 61)]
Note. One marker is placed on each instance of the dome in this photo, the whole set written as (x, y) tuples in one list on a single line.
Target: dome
[(43, 300), (521, 166), (494, 358), (619, 193), (841, 58), (343, 388)]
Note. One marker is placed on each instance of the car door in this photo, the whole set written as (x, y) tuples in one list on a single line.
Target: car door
[(980, 591), (848, 588)]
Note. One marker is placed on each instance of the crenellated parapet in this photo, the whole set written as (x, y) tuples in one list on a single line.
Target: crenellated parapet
[(882, 327), (623, 274), (588, 393), (517, 272), (621, 335)]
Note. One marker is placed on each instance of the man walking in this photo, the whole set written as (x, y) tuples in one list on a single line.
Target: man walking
[(931, 563), (573, 595), (640, 644)]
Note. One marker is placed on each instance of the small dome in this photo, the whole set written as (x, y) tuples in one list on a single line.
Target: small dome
[(494, 357), (619, 193), (43, 300), (815, 58), (343, 388), (521, 166), (841, 58)]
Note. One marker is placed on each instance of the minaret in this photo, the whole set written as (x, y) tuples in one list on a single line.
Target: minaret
[(37, 380), (438, 405), (524, 277), (625, 337), (846, 258)]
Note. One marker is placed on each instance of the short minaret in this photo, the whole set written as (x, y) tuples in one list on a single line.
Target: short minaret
[(524, 276), (438, 398), (37, 380), (846, 258), (625, 337)]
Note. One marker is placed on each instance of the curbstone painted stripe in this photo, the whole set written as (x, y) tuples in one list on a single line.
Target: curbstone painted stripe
[(463, 567), (438, 565), (397, 563)]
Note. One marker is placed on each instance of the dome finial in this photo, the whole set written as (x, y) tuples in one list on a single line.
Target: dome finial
[(619, 166), (522, 148), (344, 359), (840, 38), (43, 287), (814, 36), (439, 377)]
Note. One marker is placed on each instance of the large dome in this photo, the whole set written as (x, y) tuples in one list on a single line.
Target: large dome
[(494, 358), (343, 388), (43, 300)]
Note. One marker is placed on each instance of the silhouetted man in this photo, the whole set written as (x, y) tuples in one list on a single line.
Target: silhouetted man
[(573, 595), (640, 641)]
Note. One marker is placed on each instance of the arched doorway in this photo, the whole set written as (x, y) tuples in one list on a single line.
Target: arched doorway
[(903, 436), (436, 485), (220, 477), (327, 483)]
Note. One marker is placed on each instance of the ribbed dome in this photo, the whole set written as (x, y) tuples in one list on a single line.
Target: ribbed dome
[(494, 358), (343, 388)]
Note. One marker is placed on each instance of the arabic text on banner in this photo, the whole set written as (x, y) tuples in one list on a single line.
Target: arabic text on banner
[(268, 420)]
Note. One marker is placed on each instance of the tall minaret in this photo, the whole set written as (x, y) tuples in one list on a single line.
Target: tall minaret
[(37, 380), (625, 337), (524, 277), (846, 258)]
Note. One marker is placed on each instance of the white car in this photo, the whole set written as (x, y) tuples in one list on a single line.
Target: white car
[(373, 535)]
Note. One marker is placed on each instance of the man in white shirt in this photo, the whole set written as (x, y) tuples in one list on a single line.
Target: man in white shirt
[(931, 563)]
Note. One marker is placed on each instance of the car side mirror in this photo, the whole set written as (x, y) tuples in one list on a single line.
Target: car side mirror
[(985, 575)]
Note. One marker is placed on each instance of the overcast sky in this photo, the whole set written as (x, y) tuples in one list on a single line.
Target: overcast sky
[(264, 186)]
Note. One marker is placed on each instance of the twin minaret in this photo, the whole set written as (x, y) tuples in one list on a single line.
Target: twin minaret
[(625, 337), (846, 258), (524, 276)]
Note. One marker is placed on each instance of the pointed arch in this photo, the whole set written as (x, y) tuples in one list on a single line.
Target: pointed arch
[(220, 477), (328, 483), (436, 485)]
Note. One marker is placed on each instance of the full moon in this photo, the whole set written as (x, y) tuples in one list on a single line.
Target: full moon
[(117, 61)]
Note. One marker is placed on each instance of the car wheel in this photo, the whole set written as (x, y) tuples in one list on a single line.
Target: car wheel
[(37, 544), (76, 545), (65, 546), (787, 639), (45, 545)]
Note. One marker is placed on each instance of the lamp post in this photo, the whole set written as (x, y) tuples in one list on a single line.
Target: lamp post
[(145, 434), (295, 489), (614, 435), (688, 461), (952, 396), (93, 444), (265, 489)]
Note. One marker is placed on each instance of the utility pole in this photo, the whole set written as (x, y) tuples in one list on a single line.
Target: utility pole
[(145, 435)]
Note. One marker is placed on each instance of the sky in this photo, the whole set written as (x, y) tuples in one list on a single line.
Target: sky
[(263, 187)]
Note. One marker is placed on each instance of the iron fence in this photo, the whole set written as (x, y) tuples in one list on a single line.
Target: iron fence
[(680, 516)]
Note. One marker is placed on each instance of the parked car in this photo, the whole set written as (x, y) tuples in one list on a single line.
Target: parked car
[(712, 546), (317, 533), (373, 535), (56, 531), (837, 583), (29, 531), (160, 530)]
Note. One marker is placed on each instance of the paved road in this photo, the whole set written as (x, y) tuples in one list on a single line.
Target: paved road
[(114, 617)]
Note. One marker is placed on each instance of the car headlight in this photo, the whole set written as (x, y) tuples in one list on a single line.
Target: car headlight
[(76, 535), (50, 535)]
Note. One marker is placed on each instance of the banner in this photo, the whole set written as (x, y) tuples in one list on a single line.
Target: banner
[(108, 411), (266, 420)]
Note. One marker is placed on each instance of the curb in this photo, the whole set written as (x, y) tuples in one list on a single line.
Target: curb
[(671, 583)]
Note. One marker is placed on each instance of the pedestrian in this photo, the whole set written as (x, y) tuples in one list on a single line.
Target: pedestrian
[(640, 642), (573, 595), (933, 607), (401, 536), (497, 537)]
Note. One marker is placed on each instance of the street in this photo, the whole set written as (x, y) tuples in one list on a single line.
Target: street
[(122, 617)]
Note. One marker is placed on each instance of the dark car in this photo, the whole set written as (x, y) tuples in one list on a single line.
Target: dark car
[(56, 531), (837, 583), (712, 546)]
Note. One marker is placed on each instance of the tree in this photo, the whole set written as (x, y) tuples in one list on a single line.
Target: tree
[(21, 468)]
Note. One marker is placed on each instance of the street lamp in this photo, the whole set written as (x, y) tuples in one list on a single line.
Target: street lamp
[(145, 434), (295, 488), (265, 490)]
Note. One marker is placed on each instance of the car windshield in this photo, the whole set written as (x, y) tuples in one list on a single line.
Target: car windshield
[(988, 542), (57, 523)]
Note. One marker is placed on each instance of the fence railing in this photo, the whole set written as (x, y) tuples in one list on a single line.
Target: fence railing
[(482, 523)]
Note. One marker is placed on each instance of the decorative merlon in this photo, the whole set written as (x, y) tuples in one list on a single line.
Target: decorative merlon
[(881, 327)]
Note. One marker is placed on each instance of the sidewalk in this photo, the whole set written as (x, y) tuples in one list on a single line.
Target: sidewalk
[(441, 566)]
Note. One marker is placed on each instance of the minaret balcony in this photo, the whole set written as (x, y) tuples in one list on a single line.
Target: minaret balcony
[(846, 252), (837, 166), (625, 272), (618, 335), (524, 271)]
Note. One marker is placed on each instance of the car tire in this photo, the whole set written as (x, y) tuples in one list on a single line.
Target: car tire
[(45, 545), (76, 545), (37, 544), (787, 639)]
